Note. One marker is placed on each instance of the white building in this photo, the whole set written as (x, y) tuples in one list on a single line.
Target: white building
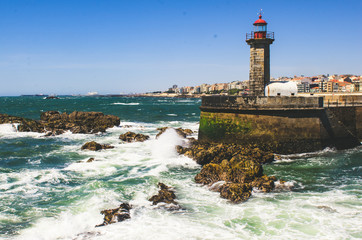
[(281, 89)]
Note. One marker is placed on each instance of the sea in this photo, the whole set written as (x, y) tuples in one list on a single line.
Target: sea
[(48, 190)]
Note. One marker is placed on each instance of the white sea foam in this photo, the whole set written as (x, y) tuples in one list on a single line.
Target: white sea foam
[(29, 181), (9, 127), (278, 215), (282, 214), (297, 156), (9, 130), (126, 104), (172, 115)]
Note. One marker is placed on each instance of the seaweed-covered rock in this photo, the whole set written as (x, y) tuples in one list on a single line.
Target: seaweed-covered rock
[(94, 146), (231, 169), (165, 195), (264, 183), (79, 122), (116, 215), (204, 153), (55, 123), (180, 131), (133, 137), (90, 160), (236, 192), (25, 124)]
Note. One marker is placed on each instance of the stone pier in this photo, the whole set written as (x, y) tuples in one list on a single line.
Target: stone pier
[(281, 124)]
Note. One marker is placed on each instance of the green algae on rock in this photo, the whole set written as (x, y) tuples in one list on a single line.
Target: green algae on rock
[(180, 131), (133, 137), (55, 123), (116, 215), (239, 168), (94, 146), (165, 195)]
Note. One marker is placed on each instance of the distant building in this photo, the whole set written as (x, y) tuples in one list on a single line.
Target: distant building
[(303, 87)]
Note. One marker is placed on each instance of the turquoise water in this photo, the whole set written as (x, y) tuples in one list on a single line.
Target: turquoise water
[(48, 191)]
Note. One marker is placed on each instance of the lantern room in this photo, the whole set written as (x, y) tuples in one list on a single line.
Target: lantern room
[(260, 28)]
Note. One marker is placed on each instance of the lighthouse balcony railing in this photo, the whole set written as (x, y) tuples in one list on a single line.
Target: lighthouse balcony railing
[(260, 35)]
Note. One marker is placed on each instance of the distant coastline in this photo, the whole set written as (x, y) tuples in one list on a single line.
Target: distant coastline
[(176, 95)]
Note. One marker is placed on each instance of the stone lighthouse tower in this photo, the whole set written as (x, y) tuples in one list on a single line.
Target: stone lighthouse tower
[(259, 41)]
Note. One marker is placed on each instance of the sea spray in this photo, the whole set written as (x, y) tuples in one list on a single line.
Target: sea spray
[(49, 191)]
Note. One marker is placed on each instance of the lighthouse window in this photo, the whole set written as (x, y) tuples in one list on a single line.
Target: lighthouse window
[(260, 28)]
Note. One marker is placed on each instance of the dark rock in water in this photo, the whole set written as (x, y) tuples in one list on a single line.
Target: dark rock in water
[(94, 146), (205, 153), (56, 123), (52, 97), (165, 195), (236, 169), (236, 192), (79, 122), (116, 215), (133, 137), (180, 131), (264, 183), (54, 133), (25, 125), (90, 160), (328, 209)]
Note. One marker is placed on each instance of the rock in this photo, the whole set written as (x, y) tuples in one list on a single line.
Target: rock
[(236, 192), (94, 146), (54, 133), (90, 160), (264, 183), (79, 122), (50, 116), (230, 169), (25, 125), (116, 215), (52, 97), (180, 131), (165, 195), (328, 209), (53, 121), (133, 137), (215, 153)]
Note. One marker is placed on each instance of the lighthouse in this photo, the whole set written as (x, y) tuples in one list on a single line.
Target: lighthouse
[(259, 41)]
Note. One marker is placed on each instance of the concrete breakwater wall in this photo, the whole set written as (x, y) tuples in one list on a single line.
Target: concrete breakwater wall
[(280, 124)]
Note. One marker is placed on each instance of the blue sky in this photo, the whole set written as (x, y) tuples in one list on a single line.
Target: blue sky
[(134, 46)]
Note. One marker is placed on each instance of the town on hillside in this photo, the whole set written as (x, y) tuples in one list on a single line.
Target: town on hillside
[(346, 83)]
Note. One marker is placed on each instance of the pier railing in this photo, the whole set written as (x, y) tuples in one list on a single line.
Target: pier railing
[(259, 35)]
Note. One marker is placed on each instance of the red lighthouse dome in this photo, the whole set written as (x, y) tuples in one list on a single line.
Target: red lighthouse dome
[(260, 28), (260, 21)]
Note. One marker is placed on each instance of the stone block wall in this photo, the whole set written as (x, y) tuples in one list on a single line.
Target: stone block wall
[(281, 130), (259, 74)]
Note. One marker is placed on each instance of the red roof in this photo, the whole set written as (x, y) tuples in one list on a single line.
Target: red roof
[(260, 21)]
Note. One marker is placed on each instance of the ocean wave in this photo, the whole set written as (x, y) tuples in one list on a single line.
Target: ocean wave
[(125, 104)]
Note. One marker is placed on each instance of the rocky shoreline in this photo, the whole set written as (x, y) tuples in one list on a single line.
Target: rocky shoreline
[(54, 123), (230, 169)]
